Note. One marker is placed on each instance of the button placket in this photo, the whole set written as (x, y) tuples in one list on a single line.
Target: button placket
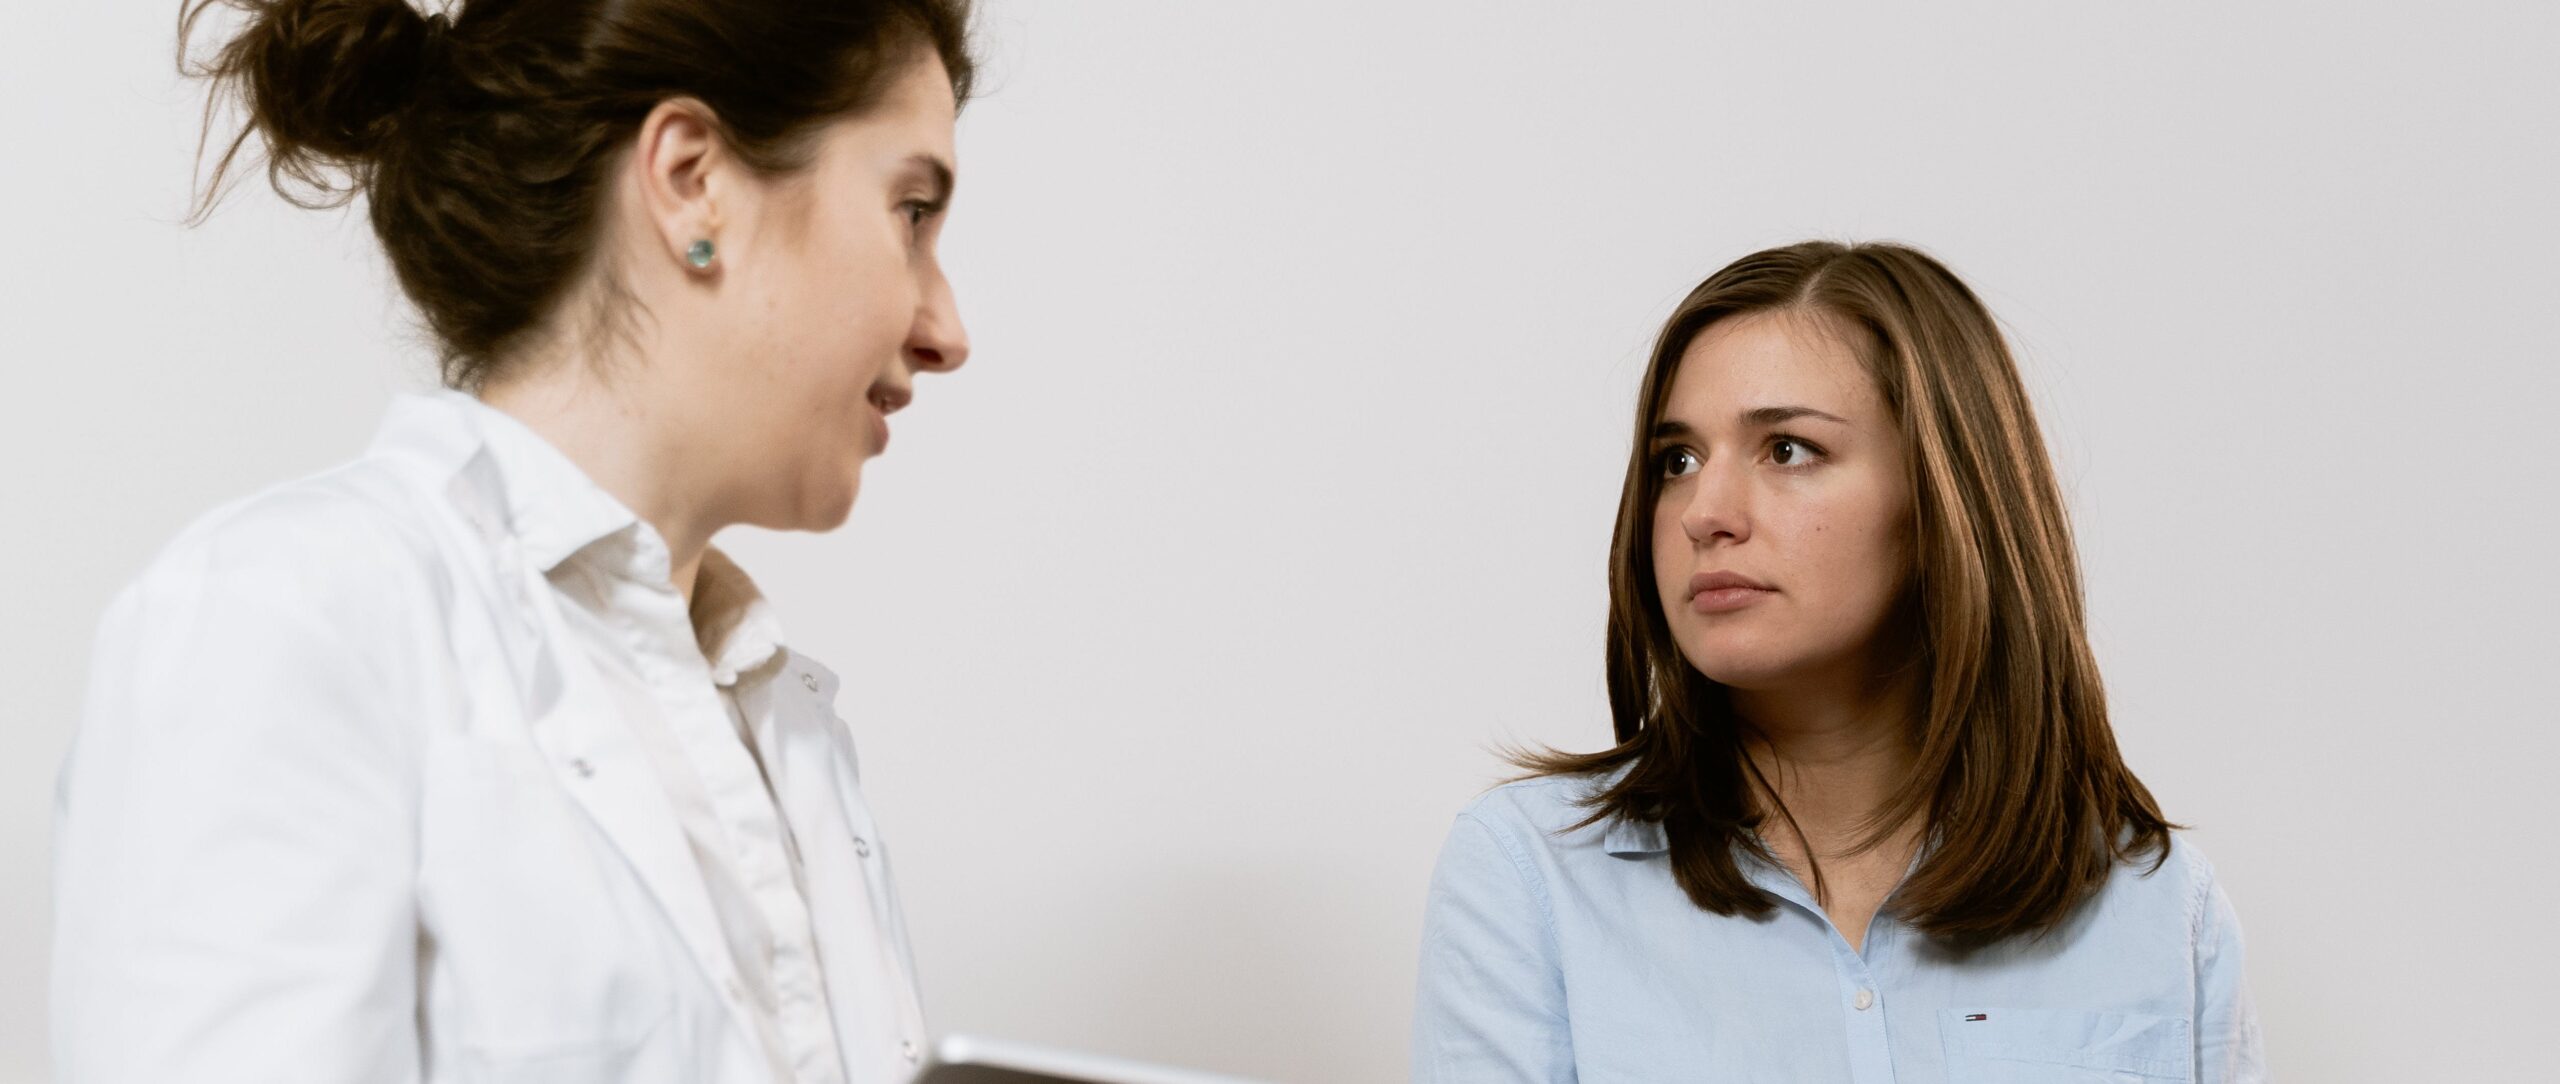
[(1870, 1050)]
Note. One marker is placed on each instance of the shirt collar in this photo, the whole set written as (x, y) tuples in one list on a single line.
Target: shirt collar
[(735, 625), (553, 508), (1630, 839), (552, 511), (1637, 839), (1619, 835), (1641, 839)]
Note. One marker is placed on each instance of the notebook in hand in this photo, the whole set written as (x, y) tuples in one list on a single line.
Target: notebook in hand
[(965, 1059)]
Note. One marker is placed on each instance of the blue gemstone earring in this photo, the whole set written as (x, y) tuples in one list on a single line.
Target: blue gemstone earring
[(700, 255)]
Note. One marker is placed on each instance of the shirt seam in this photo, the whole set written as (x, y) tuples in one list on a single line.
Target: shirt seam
[(1529, 876), (1537, 890), (2199, 895), (1520, 864)]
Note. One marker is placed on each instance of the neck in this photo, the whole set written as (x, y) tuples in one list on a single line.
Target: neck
[(611, 436), (1833, 752)]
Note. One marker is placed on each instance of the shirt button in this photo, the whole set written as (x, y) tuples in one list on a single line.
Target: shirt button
[(809, 682), (736, 992), (862, 846), (584, 769), (1866, 1000), (908, 1050)]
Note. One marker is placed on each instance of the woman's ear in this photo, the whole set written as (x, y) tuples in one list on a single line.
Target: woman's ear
[(683, 170)]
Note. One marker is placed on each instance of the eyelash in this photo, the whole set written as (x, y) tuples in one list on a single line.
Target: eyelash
[(1662, 459), (919, 212), (1808, 447)]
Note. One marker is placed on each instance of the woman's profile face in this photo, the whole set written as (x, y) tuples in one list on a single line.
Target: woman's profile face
[(1781, 533), (837, 299)]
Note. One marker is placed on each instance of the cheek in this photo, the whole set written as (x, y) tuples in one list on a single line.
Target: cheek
[(1671, 550), (843, 337), (1853, 550), (848, 284)]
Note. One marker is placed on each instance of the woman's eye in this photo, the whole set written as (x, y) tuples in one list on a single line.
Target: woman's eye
[(1677, 462), (917, 212), (1790, 452)]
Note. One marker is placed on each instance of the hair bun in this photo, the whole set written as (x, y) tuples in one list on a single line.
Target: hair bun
[(325, 80)]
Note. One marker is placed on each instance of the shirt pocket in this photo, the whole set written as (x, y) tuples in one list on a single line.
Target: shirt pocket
[(2053, 1046)]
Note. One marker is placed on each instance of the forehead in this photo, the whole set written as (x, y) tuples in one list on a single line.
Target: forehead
[(921, 96), (914, 115), (1783, 358)]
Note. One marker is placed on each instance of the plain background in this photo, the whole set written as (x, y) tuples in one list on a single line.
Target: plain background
[(1179, 622)]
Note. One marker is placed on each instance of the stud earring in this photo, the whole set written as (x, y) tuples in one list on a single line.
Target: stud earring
[(700, 255)]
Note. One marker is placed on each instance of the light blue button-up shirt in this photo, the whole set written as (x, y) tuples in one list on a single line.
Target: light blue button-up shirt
[(1555, 954)]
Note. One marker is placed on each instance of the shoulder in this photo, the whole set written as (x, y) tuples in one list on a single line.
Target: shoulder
[(1550, 802), (336, 547), (2187, 875), (2179, 870), (2174, 887), (1543, 814), (1501, 857), (292, 618)]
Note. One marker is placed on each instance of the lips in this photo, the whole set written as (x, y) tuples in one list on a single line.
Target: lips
[(1720, 581), (1723, 592), (885, 401)]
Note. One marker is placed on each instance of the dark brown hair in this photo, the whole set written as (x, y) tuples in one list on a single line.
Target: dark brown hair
[(482, 140), (2024, 803)]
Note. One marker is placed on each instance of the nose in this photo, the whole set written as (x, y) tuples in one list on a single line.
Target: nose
[(1719, 505), (937, 342)]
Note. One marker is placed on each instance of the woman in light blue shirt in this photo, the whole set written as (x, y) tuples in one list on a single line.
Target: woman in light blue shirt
[(1865, 820)]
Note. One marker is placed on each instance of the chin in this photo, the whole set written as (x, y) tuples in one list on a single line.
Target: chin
[(1748, 678), (1739, 661), (828, 509), (837, 512)]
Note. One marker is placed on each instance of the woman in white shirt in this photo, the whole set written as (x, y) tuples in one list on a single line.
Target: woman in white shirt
[(472, 760)]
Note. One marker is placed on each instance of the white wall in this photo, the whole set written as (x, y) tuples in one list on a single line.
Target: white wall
[(1180, 621)]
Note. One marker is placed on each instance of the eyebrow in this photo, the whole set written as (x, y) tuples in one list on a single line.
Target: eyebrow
[(1756, 417), (1780, 415)]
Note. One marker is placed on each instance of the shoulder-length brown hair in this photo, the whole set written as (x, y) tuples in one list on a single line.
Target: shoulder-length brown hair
[(2024, 803)]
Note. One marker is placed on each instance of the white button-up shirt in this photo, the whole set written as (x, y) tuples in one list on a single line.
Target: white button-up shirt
[(421, 770)]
